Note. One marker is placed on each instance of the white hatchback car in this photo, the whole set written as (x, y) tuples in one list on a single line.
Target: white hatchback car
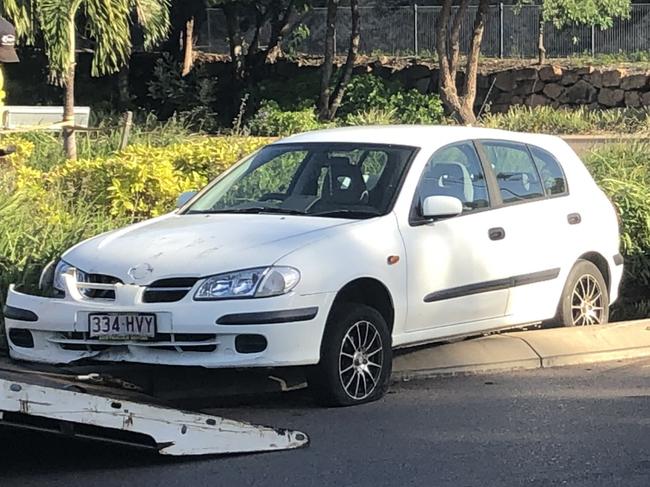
[(332, 248)]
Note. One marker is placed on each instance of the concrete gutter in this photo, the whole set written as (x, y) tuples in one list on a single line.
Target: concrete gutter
[(527, 350)]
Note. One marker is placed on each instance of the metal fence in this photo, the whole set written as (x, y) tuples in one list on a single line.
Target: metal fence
[(509, 32)]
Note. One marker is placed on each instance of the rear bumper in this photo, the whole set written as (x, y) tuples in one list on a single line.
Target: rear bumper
[(289, 329)]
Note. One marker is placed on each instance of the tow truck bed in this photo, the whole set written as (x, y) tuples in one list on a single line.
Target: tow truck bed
[(92, 406)]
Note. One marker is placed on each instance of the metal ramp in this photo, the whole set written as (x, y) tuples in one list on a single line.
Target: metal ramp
[(111, 410)]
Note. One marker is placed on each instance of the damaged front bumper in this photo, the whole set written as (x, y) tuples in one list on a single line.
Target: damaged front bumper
[(271, 332)]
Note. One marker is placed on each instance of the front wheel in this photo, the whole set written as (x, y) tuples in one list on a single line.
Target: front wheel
[(585, 299), (356, 357)]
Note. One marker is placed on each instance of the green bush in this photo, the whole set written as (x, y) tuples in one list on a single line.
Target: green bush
[(192, 96), (373, 116), (623, 172), (564, 121), (374, 95), (271, 120), (367, 92)]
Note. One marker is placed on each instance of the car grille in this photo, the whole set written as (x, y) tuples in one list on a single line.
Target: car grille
[(168, 290), (176, 342), (99, 292)]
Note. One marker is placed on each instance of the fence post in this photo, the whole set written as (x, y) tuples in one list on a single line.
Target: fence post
[(415, 29), (334, 41), (126, 130), (501, 29), (593, 41)]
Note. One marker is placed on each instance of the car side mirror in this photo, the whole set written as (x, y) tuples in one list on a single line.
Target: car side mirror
[(434, 207), (7, 151), (184, 198)]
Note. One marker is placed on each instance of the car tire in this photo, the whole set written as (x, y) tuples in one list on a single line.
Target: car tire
[(585, 298), (356, 357)]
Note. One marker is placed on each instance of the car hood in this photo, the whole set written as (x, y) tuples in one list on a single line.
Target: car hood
[(196, 245)]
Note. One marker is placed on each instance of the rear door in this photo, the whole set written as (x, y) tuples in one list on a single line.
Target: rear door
[(534, 222)]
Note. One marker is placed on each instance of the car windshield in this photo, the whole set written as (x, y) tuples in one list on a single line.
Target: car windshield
[(334, 180)]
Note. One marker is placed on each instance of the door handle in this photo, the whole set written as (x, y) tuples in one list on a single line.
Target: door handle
[(497, 233), (574, 218)]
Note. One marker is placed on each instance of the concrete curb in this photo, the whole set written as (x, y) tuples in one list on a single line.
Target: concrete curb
[(527, 350)]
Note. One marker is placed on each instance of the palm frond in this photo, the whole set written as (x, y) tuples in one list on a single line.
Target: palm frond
[(153, 17), (54, 17), (108, 26)]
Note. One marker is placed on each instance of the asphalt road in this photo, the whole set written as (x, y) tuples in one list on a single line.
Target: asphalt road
[(577, 426)]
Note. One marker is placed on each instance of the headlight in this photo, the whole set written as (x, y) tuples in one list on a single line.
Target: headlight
[(250, 283), (62, 268)]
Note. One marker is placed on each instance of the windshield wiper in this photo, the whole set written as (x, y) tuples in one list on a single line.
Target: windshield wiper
[(252, 210), (347, 213)]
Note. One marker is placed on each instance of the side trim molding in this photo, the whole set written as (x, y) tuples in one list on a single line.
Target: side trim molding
[(496, 285), (19, 314), (269, 317)]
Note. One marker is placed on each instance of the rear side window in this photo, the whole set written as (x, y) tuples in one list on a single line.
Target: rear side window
[(550, 171), (515, 171)]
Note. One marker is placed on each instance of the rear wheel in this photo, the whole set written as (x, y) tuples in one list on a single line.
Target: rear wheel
[(585, 300), (356, 357)]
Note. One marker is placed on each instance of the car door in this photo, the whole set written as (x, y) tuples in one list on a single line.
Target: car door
[(536, 225), (455, 273)]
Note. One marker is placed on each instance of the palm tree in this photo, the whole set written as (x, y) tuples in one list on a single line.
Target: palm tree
[(105, 23)]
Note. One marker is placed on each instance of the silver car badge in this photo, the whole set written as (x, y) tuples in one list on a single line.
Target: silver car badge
[(140, 271)]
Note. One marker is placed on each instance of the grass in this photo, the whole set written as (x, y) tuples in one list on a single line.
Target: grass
[(574, 122)]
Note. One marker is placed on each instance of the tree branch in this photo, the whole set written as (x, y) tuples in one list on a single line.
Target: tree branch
[(455, 38), (353, 50), (328, 61)]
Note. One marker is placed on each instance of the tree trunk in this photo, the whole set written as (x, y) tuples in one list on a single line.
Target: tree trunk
[(188, 47), (541, 50), (328, 61), (461, 105), (123, 89), (235, 41), (353, 50), (69, 138)]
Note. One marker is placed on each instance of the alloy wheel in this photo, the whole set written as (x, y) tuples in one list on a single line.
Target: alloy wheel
[(587, 302), (361, 360)]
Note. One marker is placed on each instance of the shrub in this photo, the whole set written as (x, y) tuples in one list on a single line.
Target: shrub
[(191, 96), (271, 120), (373, 116), (144, 181), (413, 107), (369, 94), (623, 172)]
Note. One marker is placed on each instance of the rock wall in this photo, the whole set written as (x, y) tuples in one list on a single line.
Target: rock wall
[(562, 87), (550, 85)]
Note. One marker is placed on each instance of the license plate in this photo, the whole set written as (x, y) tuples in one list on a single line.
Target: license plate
[(122, 326)]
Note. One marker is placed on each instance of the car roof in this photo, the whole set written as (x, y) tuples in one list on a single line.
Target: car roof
[(429, 136)]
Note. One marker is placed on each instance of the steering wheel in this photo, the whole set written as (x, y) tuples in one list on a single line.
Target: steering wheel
[(273, 196)]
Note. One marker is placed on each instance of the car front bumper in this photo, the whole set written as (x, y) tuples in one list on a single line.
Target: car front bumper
[(209, 334)]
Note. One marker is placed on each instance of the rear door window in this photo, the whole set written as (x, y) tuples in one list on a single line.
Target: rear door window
[(515, 171)]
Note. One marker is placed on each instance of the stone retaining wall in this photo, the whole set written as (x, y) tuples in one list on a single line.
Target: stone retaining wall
[(534, 86), (557, 86)]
